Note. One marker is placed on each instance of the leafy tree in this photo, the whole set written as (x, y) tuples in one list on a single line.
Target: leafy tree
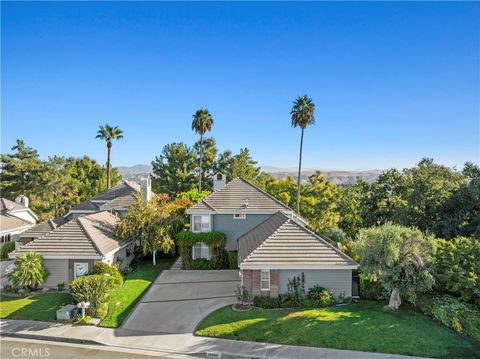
[(29, 271), (302, 115), (224, 163), (399, 257), (193, 195), (460, 213), (349, 206), (242, 165), (154, 223), (209, 155), (202, 122), (457, 267), (21, 171), (108, 134), (174, 169)]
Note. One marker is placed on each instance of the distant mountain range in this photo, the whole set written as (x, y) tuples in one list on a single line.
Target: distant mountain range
[(135, 173)]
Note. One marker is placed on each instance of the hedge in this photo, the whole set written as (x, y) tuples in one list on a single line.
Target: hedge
[(211, 239), (6, 249), (462, 317)]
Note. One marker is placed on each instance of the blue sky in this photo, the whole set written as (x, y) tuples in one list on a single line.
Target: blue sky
[(392, 82)]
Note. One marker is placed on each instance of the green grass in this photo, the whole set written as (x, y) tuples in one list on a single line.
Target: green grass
[(39, 307), (360, 326), (123, 299)]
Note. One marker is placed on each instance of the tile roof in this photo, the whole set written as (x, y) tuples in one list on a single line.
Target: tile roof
[(43, 228), (8, 205), (281, 241), (90, 235), (9, 223), (240, 195), (120, 196)]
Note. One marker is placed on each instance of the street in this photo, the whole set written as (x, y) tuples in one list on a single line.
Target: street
[(28, 348)]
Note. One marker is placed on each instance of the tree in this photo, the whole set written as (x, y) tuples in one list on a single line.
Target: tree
[(153, 223), (202, 122), (242, 165), (223, 164), (398, 257), (302, 115), (457, 267), (174, 169), (29, 271), (349, 206), (21, 170), (209, 155), (108, 134)]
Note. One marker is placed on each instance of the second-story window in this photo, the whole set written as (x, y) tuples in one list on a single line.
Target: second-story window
[(201, 223), (239, 216)]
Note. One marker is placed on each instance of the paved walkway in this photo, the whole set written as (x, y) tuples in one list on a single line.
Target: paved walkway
[(174, 344), (179, 299)]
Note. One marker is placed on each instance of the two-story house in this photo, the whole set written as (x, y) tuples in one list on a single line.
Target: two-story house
[(272, 241)]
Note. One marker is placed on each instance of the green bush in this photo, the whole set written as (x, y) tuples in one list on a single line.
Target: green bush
[(111, 271), (200, 264), (6, 249), (211, 239), (60, 286), (371, 290), (95, 289), (266, 302), (462, 317), (457, 268), (86, 320), (233, 260), (320, 296)]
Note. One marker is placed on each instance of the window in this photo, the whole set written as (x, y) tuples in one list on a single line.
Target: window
[(200, 250), (80, 269), (201, 223), (239, 216), (265, 279), (6, 238)]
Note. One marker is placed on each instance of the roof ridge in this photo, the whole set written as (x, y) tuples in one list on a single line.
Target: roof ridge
[(88, 234), (265, 193)]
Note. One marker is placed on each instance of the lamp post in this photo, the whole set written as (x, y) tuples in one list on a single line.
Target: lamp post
[(83, 305)]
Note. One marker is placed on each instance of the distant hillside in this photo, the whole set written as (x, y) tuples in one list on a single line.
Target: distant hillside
[(137, 172)]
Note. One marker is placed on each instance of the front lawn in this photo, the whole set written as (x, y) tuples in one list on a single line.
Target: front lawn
[(123, 299), (360, 326), (39, 307)]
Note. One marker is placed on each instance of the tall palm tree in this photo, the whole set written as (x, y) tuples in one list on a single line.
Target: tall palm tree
[(108, 134), (202, 122), (302, 116)]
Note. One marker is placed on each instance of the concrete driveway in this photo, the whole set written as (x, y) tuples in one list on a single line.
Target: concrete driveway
[(179, 299)]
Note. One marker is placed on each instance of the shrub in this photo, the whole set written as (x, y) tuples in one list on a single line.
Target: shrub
[(242, 294), (218, 259), (86, 320), (296, 288), (371, 290), (233, 260), (29, 271), (457, 267), (111, 271), (95, 289), (461, 317), (60, 286), (320, 296), (266, 302), (211, 239), (201, 264), (6, 249)]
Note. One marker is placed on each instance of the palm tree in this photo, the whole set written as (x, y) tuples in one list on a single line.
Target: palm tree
[(29, 271), (302, 116), (202, 122), (108, 134)]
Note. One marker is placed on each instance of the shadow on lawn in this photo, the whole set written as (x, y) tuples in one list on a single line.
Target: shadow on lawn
[(40, 307)]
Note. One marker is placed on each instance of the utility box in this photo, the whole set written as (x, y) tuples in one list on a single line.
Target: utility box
[(67, 312)]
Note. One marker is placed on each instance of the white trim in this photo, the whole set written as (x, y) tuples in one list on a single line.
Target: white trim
[(262, 280), (120, 248), (202, 246), (79, 211), (75, 269), (192, 223), (295, 266), (101, 200), (13, 255)]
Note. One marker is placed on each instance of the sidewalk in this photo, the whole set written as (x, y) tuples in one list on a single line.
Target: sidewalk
[(174, 344)]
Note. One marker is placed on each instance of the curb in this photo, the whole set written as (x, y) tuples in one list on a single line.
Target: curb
[(52, 338)]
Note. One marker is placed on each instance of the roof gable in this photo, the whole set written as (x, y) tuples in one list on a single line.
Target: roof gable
[(285, 242), (239, 195)]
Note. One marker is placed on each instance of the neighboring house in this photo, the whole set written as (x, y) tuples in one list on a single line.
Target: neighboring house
[(273, 243), (15, 218), (71, 249), (118, 199)]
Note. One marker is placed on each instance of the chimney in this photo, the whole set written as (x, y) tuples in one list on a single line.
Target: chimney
[(23, 200), (146, 188), (219, 180)]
